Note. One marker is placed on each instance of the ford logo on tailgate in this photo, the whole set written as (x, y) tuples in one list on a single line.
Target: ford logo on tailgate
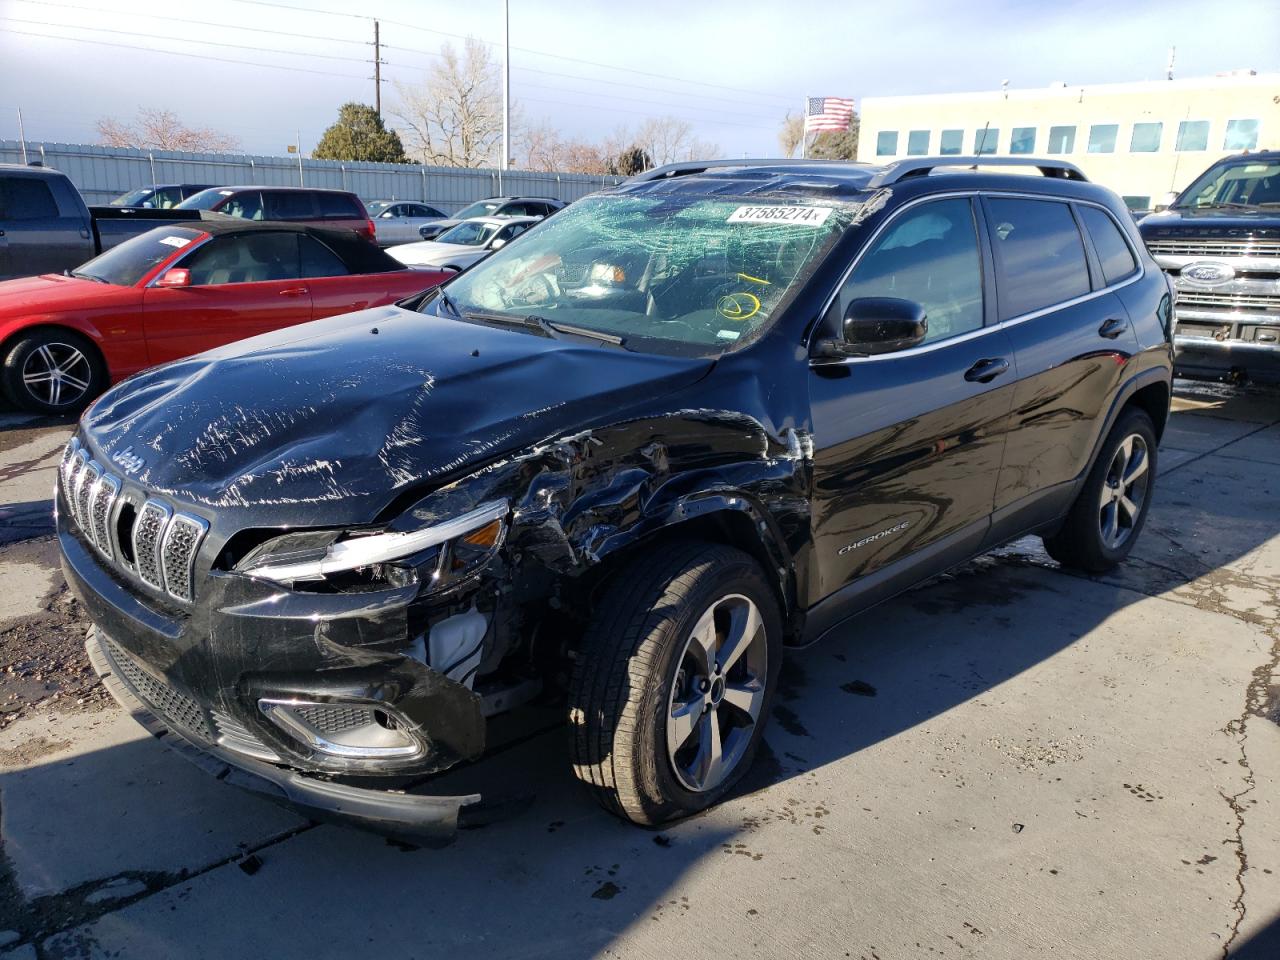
[(1208, 272)]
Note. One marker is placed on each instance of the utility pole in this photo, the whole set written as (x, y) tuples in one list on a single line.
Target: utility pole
[(377, 68), (1168, 73), (22, 136), (506, 91)]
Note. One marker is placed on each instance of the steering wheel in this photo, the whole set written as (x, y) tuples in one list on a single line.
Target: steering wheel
[(534, 291)]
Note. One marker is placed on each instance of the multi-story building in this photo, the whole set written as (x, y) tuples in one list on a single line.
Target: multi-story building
[(1142, 140)]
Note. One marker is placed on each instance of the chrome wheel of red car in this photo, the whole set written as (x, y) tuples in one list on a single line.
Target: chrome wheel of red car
[(57, 374)]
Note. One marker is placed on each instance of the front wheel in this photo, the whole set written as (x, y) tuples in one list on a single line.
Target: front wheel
[(1111, 508), (672, 686), (52, 371)]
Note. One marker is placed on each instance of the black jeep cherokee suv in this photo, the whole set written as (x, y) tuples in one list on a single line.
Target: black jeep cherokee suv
[(687, 422)]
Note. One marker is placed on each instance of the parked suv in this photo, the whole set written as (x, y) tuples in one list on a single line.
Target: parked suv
[(330, 209), (159, 196), (494, 207), (1220, 242), (625, 461)]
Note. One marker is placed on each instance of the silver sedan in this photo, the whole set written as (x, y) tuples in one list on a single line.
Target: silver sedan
[(398, 221)]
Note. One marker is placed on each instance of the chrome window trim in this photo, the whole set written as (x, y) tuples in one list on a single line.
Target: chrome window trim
[(981, 331)]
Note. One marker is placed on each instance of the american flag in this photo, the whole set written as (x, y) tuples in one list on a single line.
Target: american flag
[(828, 113)]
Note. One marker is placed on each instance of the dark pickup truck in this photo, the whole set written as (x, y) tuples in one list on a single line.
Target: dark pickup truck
[(1220, 244), (45, 226)]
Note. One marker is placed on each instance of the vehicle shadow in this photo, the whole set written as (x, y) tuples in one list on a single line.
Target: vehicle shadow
[(561, 878)]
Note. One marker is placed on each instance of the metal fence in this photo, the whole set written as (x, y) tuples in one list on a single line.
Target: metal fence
[(103, 173)]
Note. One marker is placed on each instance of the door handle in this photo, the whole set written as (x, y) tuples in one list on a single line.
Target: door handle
[(1113, 328), (986, 370), (293, 292)]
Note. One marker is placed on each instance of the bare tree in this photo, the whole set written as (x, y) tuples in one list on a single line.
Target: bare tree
[(156, 129), (454, 117), (670, 139), (545, 149), (791, 134)]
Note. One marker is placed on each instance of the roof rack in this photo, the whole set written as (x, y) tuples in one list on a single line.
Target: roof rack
[(923, 166), (691, 167)]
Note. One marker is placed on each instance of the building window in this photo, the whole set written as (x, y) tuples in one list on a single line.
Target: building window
[(1193, 135), (1023, 140), (1241, 135), (1102, 137), (917, 143), (952, 143), (1146, 137), (887, 143), (1062, 139), (985, 140)]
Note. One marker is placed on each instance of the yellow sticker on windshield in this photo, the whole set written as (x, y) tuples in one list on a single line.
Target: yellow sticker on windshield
[(738, 306)]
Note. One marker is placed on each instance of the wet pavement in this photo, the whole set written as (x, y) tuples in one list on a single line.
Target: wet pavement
[(1010, 761)]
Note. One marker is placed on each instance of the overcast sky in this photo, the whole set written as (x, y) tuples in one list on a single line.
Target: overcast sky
[(732, 69)]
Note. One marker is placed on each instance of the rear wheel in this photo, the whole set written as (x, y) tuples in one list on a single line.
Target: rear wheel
[(672, 687), (52, 371), (1111, 508)]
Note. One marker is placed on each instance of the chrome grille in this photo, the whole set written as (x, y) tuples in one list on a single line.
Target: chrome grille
[(234, 735), (176, 708), (1237, 302), (335, 719), (165, 544), (1193, 247)]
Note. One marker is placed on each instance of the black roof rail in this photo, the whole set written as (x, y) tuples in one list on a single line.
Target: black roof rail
[(690, 167), (923, 166)]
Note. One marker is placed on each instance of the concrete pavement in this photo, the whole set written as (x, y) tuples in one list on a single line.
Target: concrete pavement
[(1010, 761)]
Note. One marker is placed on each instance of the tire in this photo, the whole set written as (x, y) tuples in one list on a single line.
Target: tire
[(81, 372), (1100, 529), (639, 665)]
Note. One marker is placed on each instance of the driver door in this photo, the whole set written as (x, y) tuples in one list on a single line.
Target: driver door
[(241, 285), (908, 445)]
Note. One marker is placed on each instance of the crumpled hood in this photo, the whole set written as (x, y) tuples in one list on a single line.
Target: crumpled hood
[(347, 413)]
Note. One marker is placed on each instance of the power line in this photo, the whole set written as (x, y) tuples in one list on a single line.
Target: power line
[(185, 53), (197, 23), (171, 39)]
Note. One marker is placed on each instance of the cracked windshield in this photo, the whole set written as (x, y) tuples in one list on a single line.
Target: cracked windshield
[(701, 272)]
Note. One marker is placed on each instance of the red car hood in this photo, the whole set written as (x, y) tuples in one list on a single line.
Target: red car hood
[(53, 292)]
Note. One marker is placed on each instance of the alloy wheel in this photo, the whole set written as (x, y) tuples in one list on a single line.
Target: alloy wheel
[(1124, 490), (57, 374), (717, 693)]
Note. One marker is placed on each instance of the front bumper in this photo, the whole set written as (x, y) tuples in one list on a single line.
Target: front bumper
[(424, 820), (1205, 358)]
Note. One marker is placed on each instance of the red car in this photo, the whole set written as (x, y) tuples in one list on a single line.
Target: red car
[(178, 290)]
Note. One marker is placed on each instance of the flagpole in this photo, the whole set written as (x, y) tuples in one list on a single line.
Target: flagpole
[(804, 127)]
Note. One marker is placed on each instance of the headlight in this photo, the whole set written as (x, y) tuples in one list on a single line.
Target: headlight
[(463, 545)]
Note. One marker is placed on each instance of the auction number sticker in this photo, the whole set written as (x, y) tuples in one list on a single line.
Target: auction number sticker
[(175, 241), (804, 216)]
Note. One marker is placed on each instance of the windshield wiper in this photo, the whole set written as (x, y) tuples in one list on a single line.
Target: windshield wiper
[(581, 332), (448, 302), (548, 327), (1225, 205), (87, 276)]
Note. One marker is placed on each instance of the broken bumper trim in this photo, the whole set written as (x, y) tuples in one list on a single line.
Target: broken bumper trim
[(422, 820)]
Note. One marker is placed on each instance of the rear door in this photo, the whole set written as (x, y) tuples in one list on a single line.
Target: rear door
[(39, 236), (908, 445), (1071, 337), (241, 285)]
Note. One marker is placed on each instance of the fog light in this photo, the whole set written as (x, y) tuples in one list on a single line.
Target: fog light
[(353, 731)]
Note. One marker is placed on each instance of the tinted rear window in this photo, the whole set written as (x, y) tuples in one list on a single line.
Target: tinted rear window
[(288, 205), (318, 260), (1040, 257), (339, 206), (1116, 257), (27, 198)]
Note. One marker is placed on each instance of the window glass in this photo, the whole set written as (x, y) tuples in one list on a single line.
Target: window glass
[(918, 143), (887, 143), (432, 212), (288, 205), (167, 198), (1102, 137), (481, 208), (1241, 135), (1062, 139), (27, 198), (206, 199), (318, 260), (929, 255), (245, 258), (128, 262), (1146, 137), (1023, 140), (1193, 135), (1240, 181), (951, 143), (332, 205), (985, 140), (1113, 252), (1138, 204), (469, 233), (1039, 254), (247, 206)]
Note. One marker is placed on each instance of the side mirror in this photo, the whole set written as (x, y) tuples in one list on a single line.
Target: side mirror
[(878, 325), (1165, 202), (497, 243), (177, 277)]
